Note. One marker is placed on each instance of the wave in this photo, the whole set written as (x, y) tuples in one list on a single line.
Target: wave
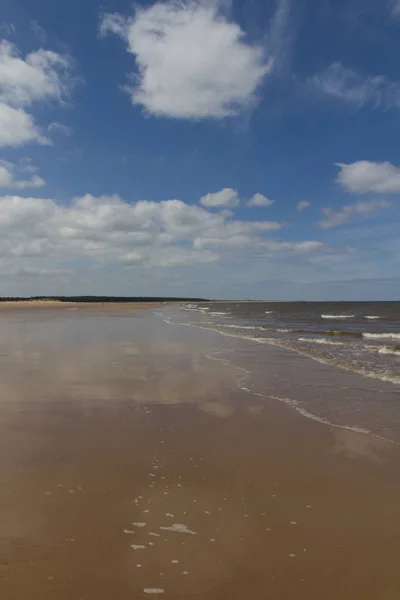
[(382, 336), (242, 327), (381, 376), (269, 312), (371, 317), (337, 316), (390, 351), (336, 332), (321, 341), (217, 314), (364, 372), (329, 332)]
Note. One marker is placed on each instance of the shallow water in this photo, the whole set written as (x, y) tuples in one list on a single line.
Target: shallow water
[(361, 337), (341, 384)]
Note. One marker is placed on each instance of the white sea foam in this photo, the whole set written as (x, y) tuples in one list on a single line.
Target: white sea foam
[(269, 312), (139, 524), (305, 413), (218, 314), (382, 336), (371, 317), (323, 341), (382, 376), (390, 351), (154, 591), (337, 316), (179, 528), (138, 547)]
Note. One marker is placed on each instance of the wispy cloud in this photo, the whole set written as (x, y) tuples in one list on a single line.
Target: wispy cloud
[(281, 35), (364, 176), (395, 8), (302, 205), (55, 127), (334, 218), (15, 176), (355, 88)]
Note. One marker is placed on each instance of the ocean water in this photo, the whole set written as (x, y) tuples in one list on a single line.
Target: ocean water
[(363, 337), (345, 366)]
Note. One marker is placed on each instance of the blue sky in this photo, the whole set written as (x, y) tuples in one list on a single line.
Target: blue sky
[(214, 148)]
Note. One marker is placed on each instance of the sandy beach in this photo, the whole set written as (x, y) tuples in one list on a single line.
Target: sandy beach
[(134, 464), (56, 304)]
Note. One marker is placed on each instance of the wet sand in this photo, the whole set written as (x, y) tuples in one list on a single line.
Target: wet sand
[(132, 466)]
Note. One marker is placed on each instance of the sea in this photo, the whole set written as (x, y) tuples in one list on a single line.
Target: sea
[(357, 343)]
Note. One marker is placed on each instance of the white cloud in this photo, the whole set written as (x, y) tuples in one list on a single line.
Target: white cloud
[(38, 233), (346, 213), (365, 176), (356, 88), (17, 127), (225, 197), (236, 235), (259, 200), (306, 246), (302, 205), (193, 62), (40, 76), (9, 173)]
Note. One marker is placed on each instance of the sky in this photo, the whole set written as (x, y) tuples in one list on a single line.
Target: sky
[(210, 148)]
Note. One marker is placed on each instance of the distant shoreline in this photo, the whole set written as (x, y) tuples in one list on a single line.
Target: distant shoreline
[(57, 305), (86, 300)]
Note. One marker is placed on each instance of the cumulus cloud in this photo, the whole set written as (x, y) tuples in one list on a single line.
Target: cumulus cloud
[(42, 75), (9, 176), (259, 200), (347, 213), (39, 233), (364, 176), (226, 197), (192, 61), (302, 205), (357, 88), (17, 128)]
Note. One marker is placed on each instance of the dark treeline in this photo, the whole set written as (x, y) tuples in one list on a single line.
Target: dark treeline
[(103, 299)]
